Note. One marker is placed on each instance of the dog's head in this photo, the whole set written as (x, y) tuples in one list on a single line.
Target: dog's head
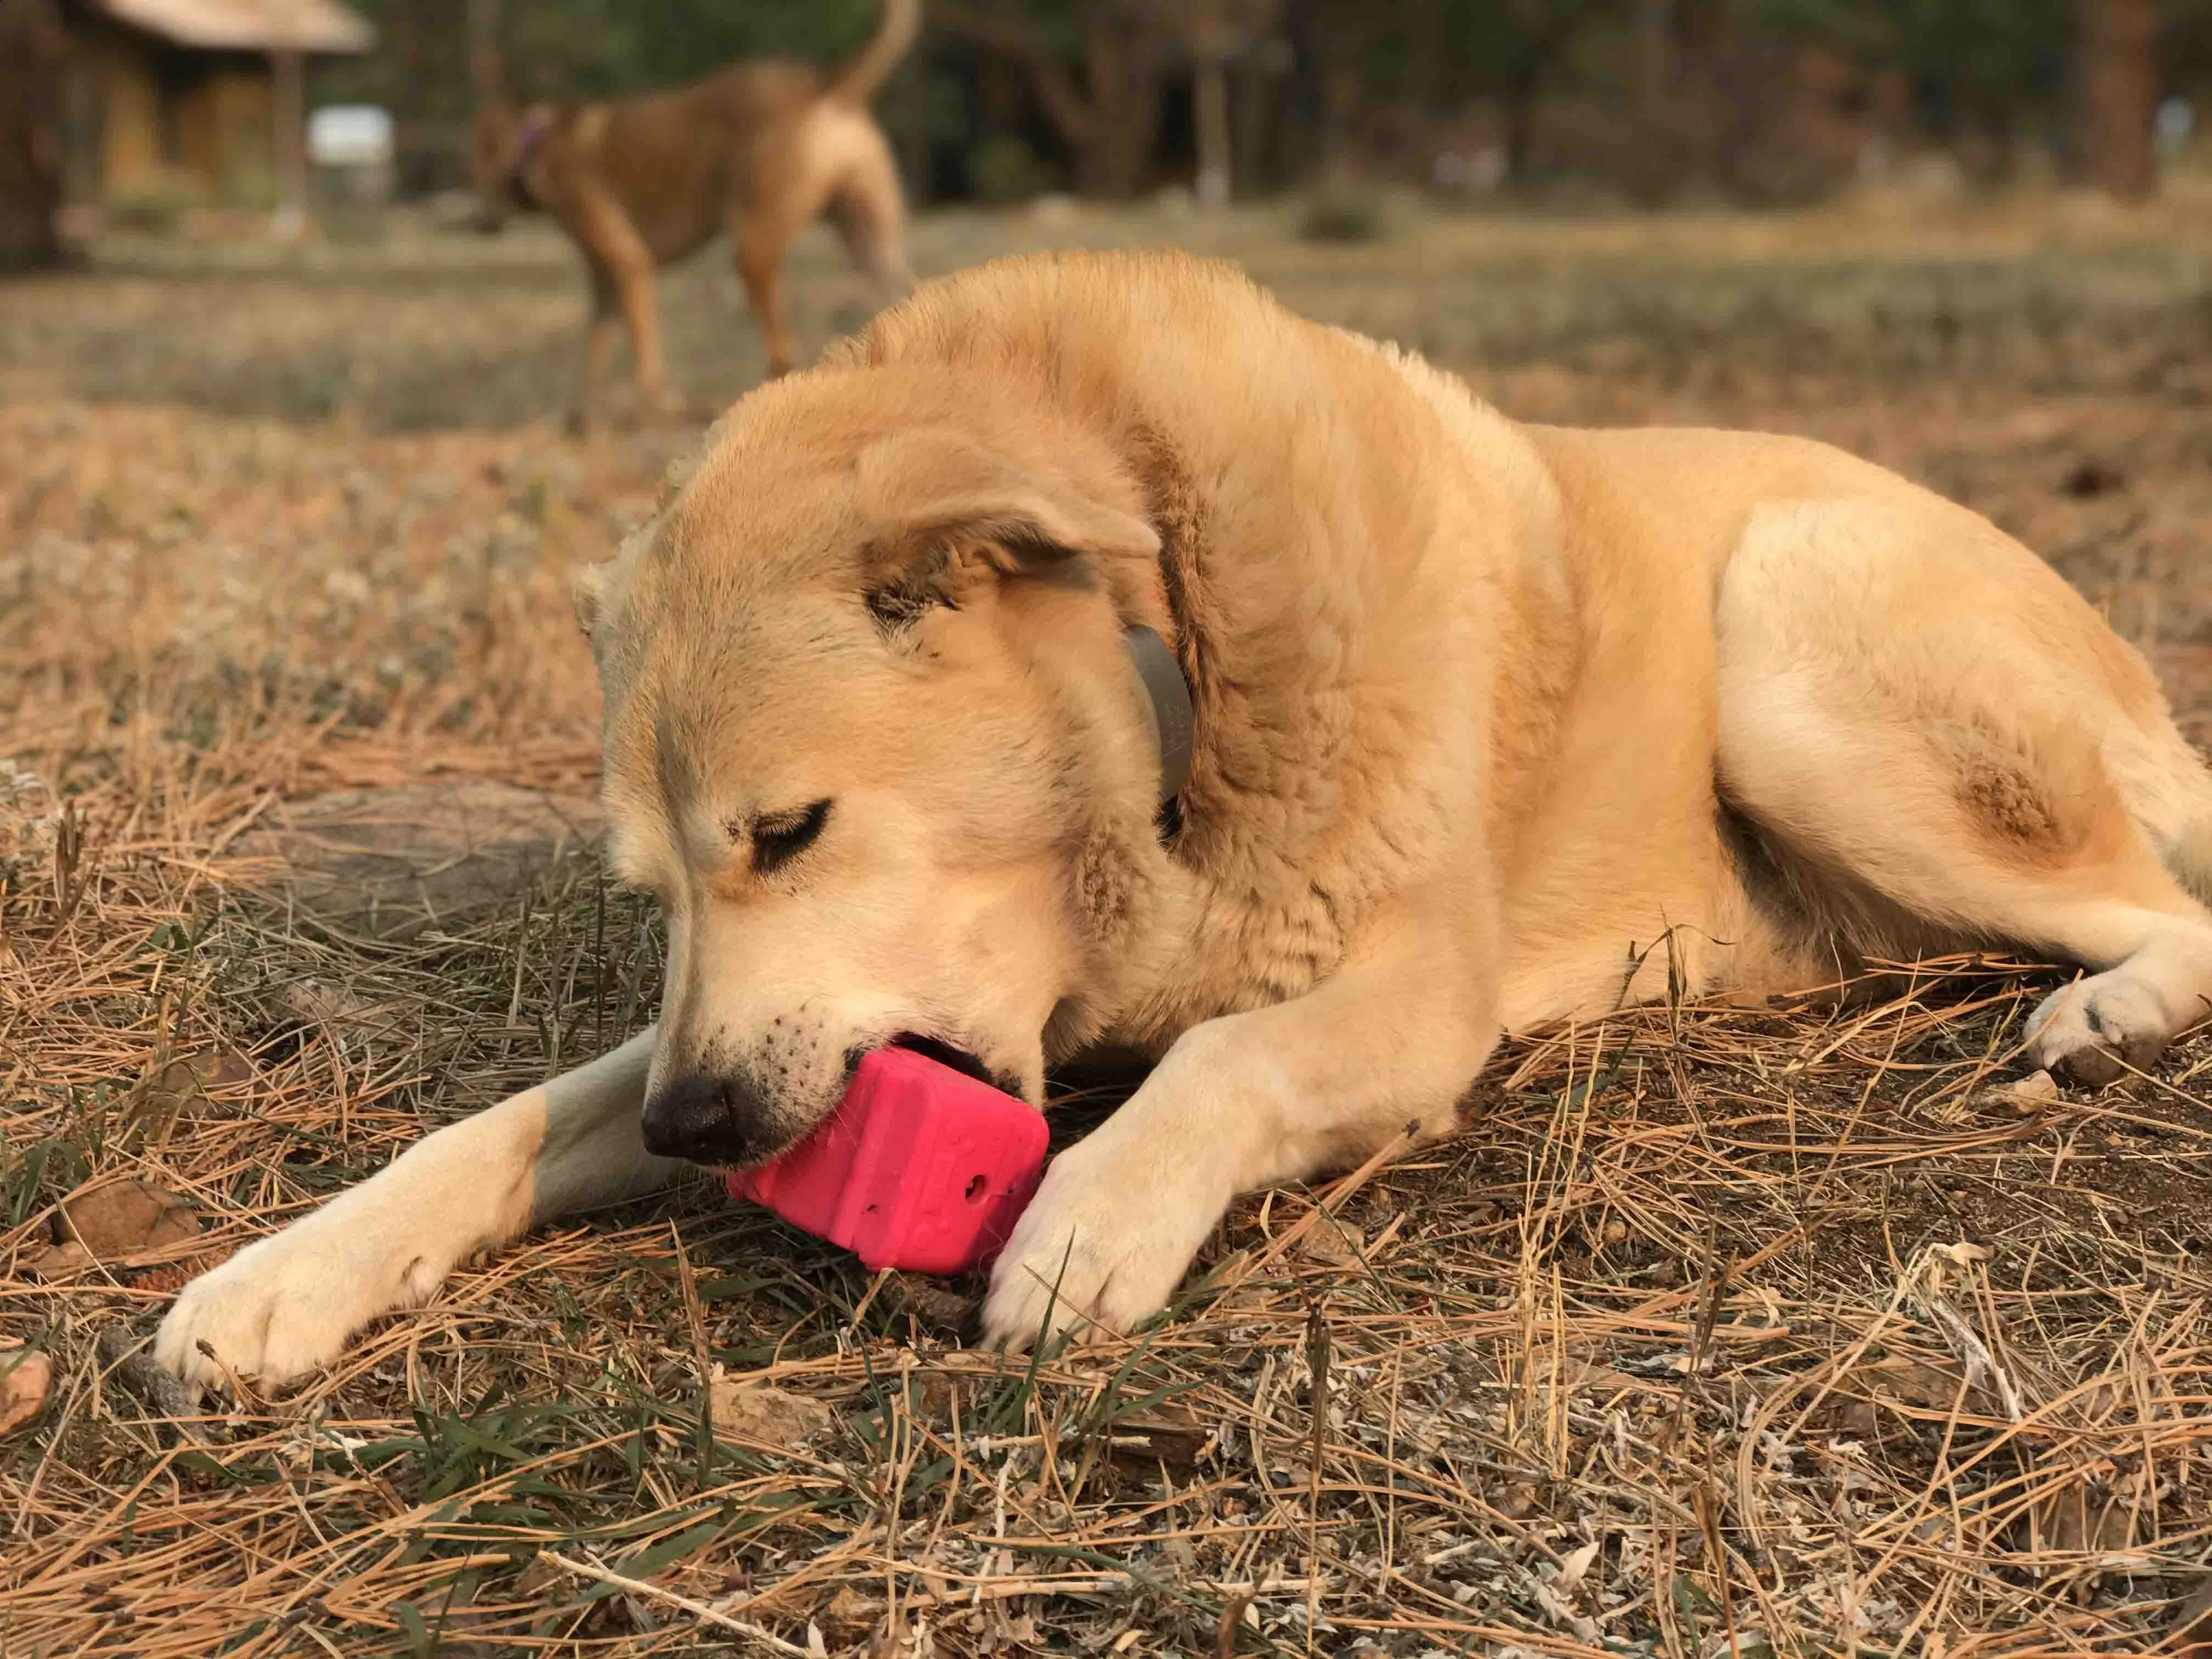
[(872, 742)]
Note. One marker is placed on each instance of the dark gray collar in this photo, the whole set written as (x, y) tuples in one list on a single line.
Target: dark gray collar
[(1167, 699)]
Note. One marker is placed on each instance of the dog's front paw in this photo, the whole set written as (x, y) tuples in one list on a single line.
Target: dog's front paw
[(280, 1308), (1101, 1247)]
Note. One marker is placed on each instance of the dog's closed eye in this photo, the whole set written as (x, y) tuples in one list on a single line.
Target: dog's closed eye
[(779, 837)]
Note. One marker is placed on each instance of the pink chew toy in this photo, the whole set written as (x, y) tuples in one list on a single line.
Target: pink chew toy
[(920, 1167)]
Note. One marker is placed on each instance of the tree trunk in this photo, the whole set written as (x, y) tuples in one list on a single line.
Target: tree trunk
[(487, 67), (1521, 129), (1212, 93), (1206, 33), (289, 111), (1655, 60), (2120, 88), (1121, 64), (1424, 58), (1258, 91), (32, 159), (1109, 122)]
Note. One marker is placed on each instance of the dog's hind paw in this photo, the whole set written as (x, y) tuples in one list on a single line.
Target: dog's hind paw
[(2099, 1029)]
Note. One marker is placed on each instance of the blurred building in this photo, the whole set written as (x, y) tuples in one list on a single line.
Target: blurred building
[(195, 101)]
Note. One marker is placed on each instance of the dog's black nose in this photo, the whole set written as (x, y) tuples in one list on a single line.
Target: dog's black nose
[(717, 1121)]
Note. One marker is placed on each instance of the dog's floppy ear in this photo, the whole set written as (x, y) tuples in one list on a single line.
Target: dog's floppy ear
[(944, 510)]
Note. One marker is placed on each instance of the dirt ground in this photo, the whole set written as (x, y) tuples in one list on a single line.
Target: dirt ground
[(1718, 1333)]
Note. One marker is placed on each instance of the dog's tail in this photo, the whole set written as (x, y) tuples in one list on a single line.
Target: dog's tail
[(862, 77)]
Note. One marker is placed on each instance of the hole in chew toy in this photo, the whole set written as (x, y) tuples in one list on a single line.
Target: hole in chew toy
[(975, 1188)]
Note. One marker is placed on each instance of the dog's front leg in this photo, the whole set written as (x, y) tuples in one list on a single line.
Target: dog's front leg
[(1317, 1083), (289, 1302)]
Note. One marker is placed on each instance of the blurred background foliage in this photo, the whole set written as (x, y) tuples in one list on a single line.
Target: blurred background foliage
[(1759, 101)]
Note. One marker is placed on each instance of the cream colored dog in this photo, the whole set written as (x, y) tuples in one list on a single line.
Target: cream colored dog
[(1495, 724)]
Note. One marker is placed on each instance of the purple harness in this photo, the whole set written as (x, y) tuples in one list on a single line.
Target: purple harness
[(536, 125)]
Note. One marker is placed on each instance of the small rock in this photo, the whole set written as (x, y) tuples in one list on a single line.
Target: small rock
[(26, 1379), (59, 1263), (1331, 1243), (2091, 479), (128, 1358), (1517, 1502), (2029, 1094), (1172, 1433), (849, 1612), (770, 1417), (187, 1084), (2192, 1626), (938, 1306), (1616, 1231), (314, 1002), (121, 1216)]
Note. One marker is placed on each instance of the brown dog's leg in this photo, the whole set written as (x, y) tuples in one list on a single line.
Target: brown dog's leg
[(599, 334), (622, 254), (760, 241), (870, 213)]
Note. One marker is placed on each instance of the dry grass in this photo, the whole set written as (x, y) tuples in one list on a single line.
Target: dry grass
[(1717, 1332)]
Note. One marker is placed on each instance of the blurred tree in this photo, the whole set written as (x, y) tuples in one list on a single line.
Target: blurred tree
[(1648, 92), (1983, 73), (1655, 59), (1525, 43), (487, 63), (1215, 31), (32, 47), (1110, 117), (2120, 93)]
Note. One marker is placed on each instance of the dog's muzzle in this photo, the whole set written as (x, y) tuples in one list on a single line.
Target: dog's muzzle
[(725, 1122)]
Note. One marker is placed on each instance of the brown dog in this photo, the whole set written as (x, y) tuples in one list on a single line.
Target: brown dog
[(756, 151)]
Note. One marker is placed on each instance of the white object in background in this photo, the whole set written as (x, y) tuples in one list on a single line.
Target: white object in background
[(350, 136), (2176, 120)]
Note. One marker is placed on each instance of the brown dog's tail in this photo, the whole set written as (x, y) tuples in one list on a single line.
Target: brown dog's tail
[(863, 77)]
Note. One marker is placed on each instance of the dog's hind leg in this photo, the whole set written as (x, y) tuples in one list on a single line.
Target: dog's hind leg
[(1912, 704), (288, 1303), (869, 210), (761, 238)]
